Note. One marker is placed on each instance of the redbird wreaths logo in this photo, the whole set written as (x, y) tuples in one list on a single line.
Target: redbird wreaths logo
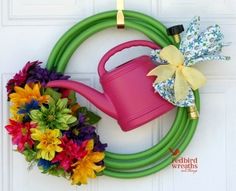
[(184, 164)]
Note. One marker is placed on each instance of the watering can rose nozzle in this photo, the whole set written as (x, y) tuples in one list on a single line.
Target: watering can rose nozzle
[(175, 32)]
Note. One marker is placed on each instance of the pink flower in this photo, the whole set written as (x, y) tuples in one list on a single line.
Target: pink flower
[(70, 154), (21, 134), (20, 78)]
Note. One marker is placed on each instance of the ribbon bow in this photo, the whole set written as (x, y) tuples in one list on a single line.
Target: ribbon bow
[(176, 81), (184, 76)]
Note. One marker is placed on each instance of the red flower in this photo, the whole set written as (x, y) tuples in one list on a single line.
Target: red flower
[(20, 78), (71, 153), (21, 135)]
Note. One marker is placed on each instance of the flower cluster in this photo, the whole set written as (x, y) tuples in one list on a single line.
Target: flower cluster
[(51, 129)]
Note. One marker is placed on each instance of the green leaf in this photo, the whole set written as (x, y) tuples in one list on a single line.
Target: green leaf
[(57, 172), (72, 98), (92, 118), (30, 155), (83, 110), (99, 173), (54, 94)]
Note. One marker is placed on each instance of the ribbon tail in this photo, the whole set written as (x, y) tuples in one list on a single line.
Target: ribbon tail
[(163, 72), (194, 77), (181, 87)]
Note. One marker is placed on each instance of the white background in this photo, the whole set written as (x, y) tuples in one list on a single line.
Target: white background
[(30, 28)]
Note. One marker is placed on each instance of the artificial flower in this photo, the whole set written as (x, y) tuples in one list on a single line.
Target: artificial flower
[(43, 76), (20, 78), (48, 142), (26, 95), (83, 132), (28, 107), (185, 76), (74, 108), (15, 115), (72, 99), (25, 110), (45, 164), (98, 145), (88, 166), (71, 153), (21, 134), (55, 116)]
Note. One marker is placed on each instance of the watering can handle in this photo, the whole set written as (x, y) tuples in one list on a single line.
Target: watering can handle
[(106, 57)]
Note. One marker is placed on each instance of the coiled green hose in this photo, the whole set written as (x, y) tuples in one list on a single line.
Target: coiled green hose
[(157, 157)]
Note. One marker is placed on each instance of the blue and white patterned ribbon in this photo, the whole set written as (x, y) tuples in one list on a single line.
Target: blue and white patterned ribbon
[(196, 47)]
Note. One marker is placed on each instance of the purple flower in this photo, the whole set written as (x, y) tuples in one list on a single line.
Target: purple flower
[(43, 76), (98, 146), (82, 132), (32, 72)]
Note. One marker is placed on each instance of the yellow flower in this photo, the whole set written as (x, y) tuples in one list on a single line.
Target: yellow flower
[(15, 115), (87, 167), (27, 94), (48, 143)]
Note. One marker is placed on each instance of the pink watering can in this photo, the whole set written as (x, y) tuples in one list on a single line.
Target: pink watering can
[(128, 93)]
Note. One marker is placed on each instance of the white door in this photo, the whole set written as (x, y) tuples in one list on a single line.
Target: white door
[(30, 28)]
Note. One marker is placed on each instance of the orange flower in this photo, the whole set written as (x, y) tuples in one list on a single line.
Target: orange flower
[(87, 167), (27, 94)]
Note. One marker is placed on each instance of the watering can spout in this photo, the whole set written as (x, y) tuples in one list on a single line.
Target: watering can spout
[(98, 99)]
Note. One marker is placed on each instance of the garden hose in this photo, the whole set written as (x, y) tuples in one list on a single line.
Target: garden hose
[(158, 156)]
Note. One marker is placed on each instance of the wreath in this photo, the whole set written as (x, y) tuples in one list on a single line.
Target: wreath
[(53, 131)]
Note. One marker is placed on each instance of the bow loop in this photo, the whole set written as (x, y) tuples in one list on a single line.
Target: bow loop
[(194, 77), (172, 55)]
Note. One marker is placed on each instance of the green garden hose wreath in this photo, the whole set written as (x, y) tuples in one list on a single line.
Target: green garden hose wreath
[(157, 157)]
